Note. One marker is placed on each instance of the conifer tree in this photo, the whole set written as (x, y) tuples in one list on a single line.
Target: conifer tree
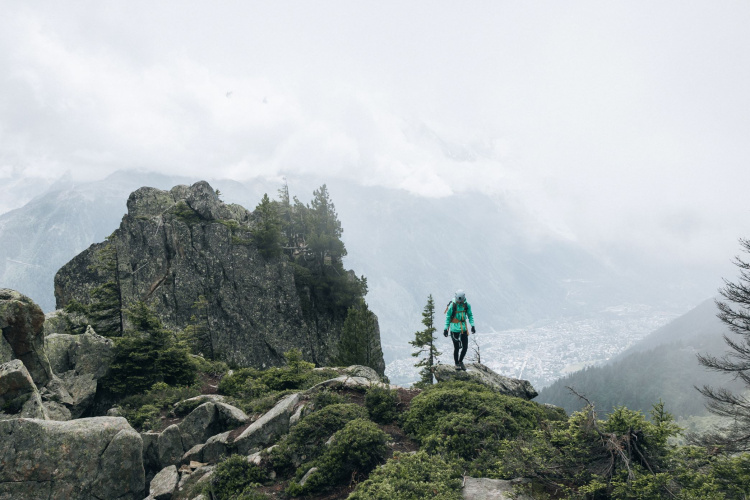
[(734, 311), (325, 228), (198, 333), (358, 345), (105, 309), (267, 231), (424, 341), (147, 353)]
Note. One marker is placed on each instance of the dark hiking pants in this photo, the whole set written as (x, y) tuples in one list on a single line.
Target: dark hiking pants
[(460, 343)]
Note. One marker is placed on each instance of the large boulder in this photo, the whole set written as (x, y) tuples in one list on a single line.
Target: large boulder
[(269, 427), (492, 489), (479, 373), (80, 459), (87, 353), (21, 322), (19, 397)]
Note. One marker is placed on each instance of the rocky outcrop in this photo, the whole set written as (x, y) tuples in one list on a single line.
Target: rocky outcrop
[(19, 397), (85, 354), (21, 322), (81, 459), (164, 484), (492, 489), (480, 373), (176, 246)]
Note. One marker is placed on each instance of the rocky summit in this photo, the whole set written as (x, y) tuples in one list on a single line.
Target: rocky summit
[(194, 259)]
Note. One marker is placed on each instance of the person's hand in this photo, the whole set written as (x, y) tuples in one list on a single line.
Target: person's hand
[(473, 330), (445, 332)]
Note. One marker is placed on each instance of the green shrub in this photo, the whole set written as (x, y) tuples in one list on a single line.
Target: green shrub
[(233, 477), (147, 354), (411, 477), (305, 441), (381, 404), (354, 452), (327, 397), (145, 418), (468, 421), (142, 410)]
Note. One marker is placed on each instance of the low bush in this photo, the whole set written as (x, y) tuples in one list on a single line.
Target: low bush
[(143, 410), (468, 421), (412, 477), (381, 404), (234, 478), (306, 439), (327, 397), (354, 452)]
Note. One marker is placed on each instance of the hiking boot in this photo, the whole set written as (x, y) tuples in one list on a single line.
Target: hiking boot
[(458, 367), (461, 363)]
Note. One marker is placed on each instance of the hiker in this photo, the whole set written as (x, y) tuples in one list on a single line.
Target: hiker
[(456, 315)]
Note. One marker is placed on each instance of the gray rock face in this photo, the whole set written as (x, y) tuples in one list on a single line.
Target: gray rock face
[(21, 322), (269, 427), (164, 483), (491, 489), (80, 459), (19, 397), (169, 446), (88, 353), (174, 246), (480, 373)]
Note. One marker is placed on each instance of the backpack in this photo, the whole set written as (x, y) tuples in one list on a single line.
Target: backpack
[(455, 308)]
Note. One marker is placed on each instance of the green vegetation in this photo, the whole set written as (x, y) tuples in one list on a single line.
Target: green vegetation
[(258, 390), (412, 477), (381, 404), (359, 338), (468, 422), (267, 230), (354, 451), (424, 341), (144, 411), (234, 479), (146, 354), (104, 308), (183, 212), (625, 456), (306, 440), (734, 311), (197, 334)]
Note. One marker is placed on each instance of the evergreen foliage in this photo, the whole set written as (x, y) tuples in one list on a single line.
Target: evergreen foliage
[(197, 334), (146, 354), (424, 341), (267, 230), (104, 310), (734, 311), (234, 478), (381, 404), (354, 451), (467, 421), (412, 477), (359, 338), (305, 441), (625, 456)]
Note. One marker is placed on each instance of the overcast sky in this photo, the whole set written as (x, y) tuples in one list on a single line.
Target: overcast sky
[(625, 124)]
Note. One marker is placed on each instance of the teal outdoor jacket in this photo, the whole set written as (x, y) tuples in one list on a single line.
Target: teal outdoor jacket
[(463, 311)]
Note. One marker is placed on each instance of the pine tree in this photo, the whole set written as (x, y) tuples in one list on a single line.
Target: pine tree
[(267, 230), (198, 333), (147, 353), (325, 230), (105, 309), (735, 313), (358, 345), (424, 341)]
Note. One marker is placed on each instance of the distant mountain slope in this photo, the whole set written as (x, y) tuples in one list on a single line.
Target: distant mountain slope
[(663, 366)]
